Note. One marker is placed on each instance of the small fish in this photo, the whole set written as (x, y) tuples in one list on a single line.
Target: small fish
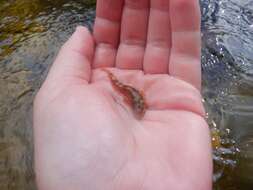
[(132, 96)]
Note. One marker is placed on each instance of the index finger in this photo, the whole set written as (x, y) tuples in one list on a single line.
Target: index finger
[(107, 31)]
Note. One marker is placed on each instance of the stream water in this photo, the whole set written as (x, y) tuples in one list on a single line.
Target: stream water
[(31, 33)]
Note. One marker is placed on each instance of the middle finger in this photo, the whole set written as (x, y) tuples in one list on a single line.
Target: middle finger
[(133, 34)]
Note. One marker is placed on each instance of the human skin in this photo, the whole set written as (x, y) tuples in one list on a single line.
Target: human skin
[(86, 138)]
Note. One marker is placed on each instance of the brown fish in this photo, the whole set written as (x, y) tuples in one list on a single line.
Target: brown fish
[(134, 98)]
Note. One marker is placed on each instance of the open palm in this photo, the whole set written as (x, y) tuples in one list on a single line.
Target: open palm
[(86, 137)]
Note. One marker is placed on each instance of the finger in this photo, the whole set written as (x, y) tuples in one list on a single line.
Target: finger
[(74, 59), (185, 52), (133, 34), (106, 32), (157, 53)]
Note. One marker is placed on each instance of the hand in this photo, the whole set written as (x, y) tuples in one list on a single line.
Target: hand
[(87, 138)]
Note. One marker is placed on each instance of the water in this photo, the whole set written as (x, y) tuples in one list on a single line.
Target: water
[(32, 31), (227, 61)]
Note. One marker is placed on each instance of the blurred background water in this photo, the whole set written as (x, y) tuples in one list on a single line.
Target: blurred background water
[(31, 33)]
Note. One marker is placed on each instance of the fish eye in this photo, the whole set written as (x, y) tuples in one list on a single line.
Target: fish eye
[(139, 106)]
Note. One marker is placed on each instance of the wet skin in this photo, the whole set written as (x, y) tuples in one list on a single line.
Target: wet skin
[(84, 139)]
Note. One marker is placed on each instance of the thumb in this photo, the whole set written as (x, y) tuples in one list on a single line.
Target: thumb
[(73, 62)]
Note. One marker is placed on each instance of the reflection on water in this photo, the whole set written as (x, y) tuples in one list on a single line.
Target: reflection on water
[(31, 32), (227, 61)]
